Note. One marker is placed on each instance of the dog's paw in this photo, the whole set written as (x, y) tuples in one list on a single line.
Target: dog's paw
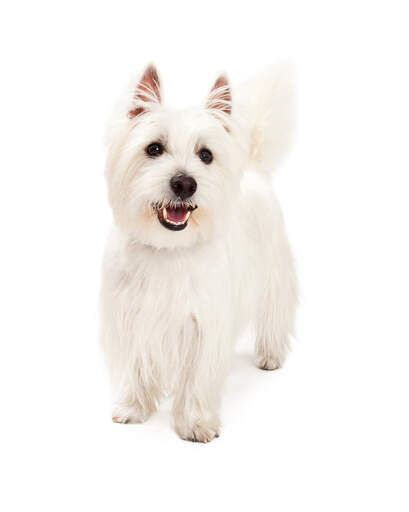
[(268, 363), (200, 432), (127, 414)]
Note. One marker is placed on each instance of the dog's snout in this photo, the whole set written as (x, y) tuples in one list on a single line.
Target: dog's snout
[(183, 186)]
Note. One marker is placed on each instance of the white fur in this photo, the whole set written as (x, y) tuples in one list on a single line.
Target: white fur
[(174, 302)]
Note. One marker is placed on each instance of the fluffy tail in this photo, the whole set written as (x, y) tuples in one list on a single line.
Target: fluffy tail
[(266, 104)]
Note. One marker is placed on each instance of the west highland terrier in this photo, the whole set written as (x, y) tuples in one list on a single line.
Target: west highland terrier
[(198, 249)]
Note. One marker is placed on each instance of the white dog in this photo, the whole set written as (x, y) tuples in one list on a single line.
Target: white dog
[(198, 249)]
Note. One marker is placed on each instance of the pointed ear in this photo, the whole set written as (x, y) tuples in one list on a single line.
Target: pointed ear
[(220, 96), (147, 91)]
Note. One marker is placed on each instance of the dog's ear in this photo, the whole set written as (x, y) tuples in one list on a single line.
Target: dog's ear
[(220, 96), (147, 92)]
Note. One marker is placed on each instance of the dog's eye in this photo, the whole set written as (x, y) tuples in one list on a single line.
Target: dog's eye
[(205, 156), (154, 149)]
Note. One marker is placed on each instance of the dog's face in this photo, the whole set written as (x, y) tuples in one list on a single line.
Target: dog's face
[(173, 176)]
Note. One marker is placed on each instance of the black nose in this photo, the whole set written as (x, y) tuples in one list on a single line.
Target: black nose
[(183, 186)]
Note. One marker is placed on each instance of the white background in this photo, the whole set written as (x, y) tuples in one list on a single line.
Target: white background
[(328, 432)]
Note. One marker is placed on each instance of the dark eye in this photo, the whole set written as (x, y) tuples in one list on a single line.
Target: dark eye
[(206, 156), (154, 149)]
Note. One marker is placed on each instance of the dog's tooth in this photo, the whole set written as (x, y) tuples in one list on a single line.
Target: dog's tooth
[(165, 214)]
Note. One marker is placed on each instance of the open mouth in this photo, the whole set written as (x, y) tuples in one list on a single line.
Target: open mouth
[(175, 218)]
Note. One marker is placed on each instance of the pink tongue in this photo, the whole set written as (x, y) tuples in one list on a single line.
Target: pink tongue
[(176, 214)]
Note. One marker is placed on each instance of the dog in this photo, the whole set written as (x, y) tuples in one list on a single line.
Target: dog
[(198, 250)]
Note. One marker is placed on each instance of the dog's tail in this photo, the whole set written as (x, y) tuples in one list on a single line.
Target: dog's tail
[(266, 105)]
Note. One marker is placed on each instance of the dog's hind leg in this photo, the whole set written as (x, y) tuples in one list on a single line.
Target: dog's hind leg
[(276, 306)]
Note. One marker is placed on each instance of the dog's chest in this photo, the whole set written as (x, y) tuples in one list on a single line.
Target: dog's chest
[(160, 296)]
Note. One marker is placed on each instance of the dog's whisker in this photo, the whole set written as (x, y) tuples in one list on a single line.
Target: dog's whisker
[(159, 205)]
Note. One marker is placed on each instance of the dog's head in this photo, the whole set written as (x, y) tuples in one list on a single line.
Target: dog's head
[(173, 175)]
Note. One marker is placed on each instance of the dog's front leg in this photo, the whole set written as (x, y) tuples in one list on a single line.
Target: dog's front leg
[(197, 397), (195, 410), (135, 399)]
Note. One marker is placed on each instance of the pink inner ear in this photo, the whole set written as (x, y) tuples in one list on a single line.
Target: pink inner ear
[(135, 112), (220, 96), (148, 90), (149, 86)]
